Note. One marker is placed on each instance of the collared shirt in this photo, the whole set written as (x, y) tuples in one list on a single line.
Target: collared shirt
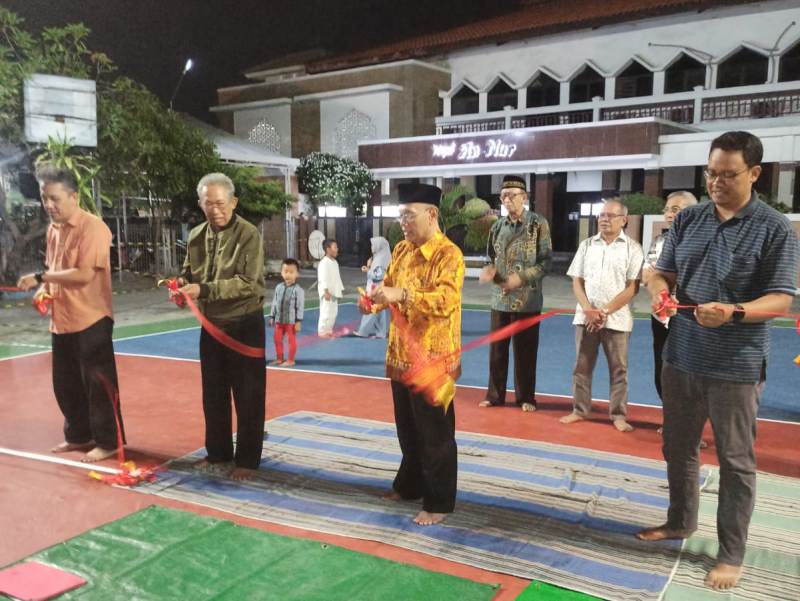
[(735, 261), (229, 266), (606, 270), (524, 248), (433, 275), (83, 241), (287, 303)]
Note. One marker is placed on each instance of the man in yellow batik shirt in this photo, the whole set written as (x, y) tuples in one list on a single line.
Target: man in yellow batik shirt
[(424, 283)]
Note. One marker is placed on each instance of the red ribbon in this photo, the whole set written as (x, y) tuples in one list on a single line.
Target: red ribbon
[(129, 474), (216, 333)]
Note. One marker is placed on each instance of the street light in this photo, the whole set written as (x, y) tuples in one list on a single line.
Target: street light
[(186, 68)]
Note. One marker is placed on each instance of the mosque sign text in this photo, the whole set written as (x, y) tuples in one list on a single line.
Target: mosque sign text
[(471, 150)]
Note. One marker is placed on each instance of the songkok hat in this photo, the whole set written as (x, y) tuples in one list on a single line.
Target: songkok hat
[(426, 193), (513, 181)]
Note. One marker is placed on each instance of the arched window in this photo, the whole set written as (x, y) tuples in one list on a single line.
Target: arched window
[(789, 69), (354, 127), (464, 102), (265, 135), (684, 75), (586, 85), (543, 91), (636, 80), (501, 95), (745, 68)]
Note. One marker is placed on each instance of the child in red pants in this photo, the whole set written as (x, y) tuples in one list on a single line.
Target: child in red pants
[(286, 313)]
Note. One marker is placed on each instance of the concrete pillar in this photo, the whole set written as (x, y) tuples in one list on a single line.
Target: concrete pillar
[(610, 92), (658, 83), (483, 102), (786, 183), (654, 182), (564, 93), (468, 181), (543, 196)]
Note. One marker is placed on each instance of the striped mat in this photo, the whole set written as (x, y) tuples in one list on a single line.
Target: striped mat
[(772, 560), (553, 513)]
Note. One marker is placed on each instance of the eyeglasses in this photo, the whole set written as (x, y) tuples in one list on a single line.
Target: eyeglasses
[(407, 217), (510, 197), (609, 215), (712, 175)]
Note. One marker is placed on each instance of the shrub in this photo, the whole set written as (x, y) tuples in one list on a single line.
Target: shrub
[(643, 204), (478, 233)]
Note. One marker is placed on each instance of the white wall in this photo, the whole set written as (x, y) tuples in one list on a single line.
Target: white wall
[(375, 105), (280, 116), (715, 31), (781, 145)]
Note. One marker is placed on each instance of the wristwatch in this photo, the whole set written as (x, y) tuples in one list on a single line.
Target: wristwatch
[(738, 314)]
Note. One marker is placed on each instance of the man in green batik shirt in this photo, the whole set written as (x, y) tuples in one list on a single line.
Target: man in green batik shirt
[(520, 249)]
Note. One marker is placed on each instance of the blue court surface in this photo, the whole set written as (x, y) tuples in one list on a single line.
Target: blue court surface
[(357, 356)]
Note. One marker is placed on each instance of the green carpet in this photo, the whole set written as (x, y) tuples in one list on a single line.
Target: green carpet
[(541, 591), (160, 554)]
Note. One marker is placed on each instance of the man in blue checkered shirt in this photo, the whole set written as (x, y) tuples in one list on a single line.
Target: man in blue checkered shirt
[(736, 259)]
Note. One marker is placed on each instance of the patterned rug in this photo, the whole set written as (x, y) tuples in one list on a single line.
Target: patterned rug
[(558, 514)]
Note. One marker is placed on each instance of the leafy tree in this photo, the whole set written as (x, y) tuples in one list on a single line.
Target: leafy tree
[(328, 178), (141, 146)]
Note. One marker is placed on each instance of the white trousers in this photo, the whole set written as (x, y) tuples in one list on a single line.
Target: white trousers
[(327, 315)]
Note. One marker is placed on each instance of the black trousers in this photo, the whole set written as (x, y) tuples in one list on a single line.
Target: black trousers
[(84, 382), (526, 348), (660, 333), (427, 436), (225, 371)]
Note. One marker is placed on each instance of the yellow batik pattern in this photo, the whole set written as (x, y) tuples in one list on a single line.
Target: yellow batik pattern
[(432, 275)]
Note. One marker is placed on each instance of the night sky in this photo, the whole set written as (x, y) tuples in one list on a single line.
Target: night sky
[(150, 40)]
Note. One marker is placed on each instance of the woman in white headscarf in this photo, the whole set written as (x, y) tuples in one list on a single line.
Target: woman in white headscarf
[(376, 325)]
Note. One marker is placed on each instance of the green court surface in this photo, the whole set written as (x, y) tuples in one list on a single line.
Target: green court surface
[(164, 554)]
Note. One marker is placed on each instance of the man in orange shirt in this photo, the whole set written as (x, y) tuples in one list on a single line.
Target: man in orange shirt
[(78, 278)]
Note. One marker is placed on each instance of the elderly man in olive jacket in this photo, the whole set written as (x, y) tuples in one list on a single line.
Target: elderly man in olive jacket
[(224, 271)]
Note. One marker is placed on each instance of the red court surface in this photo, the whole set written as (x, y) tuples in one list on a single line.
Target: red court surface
[(42, 504)]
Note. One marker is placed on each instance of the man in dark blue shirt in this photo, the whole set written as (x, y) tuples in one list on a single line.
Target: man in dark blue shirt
[(736, 259)]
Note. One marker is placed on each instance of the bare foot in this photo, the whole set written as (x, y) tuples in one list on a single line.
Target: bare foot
[(288, 364), (571, 418), (98, 454), (623, 426), (723, 576), (66, 447), (242, 473), (391, 495), (528, 407), (276, 362), (219, 468), (662, 532), (425, 518)]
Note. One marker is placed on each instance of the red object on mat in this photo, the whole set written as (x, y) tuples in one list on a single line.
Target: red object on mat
[(34, 581)]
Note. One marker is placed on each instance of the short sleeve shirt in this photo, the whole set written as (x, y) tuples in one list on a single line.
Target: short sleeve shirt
[(83, 241), (735, 261), (606, 269)]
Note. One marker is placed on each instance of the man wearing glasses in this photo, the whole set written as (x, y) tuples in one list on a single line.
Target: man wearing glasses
[(736, 259), (605, 278), (520, 249), (423, 283)]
